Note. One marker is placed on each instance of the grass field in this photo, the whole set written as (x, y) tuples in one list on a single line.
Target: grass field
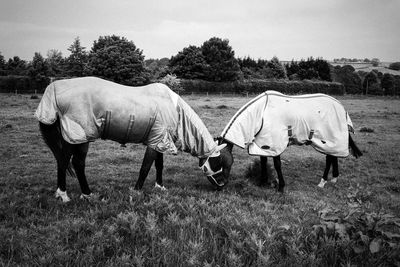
[(355, 222)]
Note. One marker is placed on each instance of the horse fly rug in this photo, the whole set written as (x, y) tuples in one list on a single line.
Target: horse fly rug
[(272, 121), (89, 108)]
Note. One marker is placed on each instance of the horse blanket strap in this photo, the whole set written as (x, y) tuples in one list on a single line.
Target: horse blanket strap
[(290, 131), (90, 108), (105, 126), (314, 119), (148, 128), (311, 134), (130, 128)]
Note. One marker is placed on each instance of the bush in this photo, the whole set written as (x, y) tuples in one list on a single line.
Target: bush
[(259, 86), (172, 82), (395, 66)]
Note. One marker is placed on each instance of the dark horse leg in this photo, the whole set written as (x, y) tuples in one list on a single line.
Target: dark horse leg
[(78, 162), (159, 168), (149, 157), (330, 161), (278, 168), (63, 161)]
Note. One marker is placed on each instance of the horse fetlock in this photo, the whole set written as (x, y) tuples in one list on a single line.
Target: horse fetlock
[(161, 187), (63, 195), (334, 180), (281, 189), (322, 183)]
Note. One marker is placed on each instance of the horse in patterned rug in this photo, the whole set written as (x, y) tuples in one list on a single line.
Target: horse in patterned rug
[(272, 121), (74, 112)]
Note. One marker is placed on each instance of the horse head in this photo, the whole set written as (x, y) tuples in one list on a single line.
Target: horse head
[(217, 166)]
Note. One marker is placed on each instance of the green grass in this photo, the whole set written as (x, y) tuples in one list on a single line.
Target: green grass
[(354, 222)]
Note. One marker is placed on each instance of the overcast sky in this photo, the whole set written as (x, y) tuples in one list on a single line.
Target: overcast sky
[(288, 29)]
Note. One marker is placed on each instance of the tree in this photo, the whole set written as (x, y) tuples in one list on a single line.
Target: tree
[(38, 70), (371, 83), (292, 69), (77, 60), (323, 69), (277, 69), (387, 84), (3, 65), (16, 66), (189, 63), (117, 59), (310, 69), (55, 63), (347, 76), (157, 68), (394, 66), (221, 62), (375, 62)]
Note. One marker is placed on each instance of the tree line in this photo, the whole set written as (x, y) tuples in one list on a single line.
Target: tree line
[(117, 59)]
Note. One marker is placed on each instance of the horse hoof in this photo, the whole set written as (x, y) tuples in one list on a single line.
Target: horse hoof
[(63, 195), (161, 187), (322, 183), (334, 180), (281, 190)]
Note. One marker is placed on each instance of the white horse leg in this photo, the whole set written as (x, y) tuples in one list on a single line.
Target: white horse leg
[(63, 195), (322, 183), (161, 187)]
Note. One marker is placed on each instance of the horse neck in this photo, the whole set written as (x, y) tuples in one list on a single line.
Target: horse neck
[(196, 139)]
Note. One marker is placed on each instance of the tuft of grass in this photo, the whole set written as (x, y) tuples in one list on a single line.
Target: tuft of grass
[(366, 130), (222, 107)]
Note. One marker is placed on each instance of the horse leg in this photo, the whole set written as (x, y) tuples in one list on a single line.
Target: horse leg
[(149, 157), (62, 165), (264, 173), (159, 168), (335, 169), (324, 179), (278, 168), (78, 162)]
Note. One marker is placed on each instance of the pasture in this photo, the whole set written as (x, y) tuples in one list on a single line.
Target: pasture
[(355, 222)]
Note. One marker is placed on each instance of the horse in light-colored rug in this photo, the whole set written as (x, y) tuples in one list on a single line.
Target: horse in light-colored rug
[(77, 111), (272, 121)]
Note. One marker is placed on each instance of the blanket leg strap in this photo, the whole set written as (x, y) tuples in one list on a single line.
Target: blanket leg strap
[(106, 125), (149, 126), (128, 130)]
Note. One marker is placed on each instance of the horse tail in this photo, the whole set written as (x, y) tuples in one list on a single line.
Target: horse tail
[(355, 151), (51, 134)]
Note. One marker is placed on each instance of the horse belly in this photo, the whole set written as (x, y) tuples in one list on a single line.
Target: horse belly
[(127, 127)]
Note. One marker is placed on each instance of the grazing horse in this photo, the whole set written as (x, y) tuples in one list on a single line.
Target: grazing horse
[(74, 112), (272, 121)]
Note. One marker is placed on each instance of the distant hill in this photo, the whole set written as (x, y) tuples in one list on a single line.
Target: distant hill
[(367, 67)]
